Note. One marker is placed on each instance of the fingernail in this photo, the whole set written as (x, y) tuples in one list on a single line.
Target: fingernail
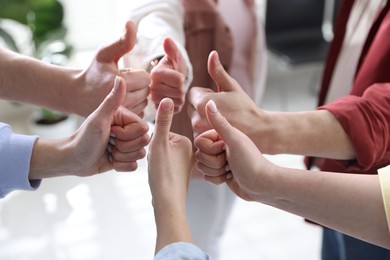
[(212, 106), (227, 168), (229, 176), (111, 141), (166, 106), (116, 84), (112, 134), (109, 148)]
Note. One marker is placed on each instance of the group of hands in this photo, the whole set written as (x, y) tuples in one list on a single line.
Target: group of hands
[(114, 135)]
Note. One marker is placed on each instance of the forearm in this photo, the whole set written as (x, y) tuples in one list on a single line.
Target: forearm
[(171, 224), (28, 80), (311, 133), (351, 204)]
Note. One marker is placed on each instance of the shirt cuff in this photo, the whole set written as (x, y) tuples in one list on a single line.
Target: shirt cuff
[(16, 162), (181, 251)]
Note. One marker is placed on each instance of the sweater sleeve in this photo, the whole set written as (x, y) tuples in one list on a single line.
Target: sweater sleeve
[(384, 178), (155, 20), (181, 251), (15, 156), (366, 120)]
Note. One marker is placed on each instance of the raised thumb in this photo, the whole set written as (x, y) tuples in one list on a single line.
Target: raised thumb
[(163, 119), (114, 51), (172, 52), (217, 72), (217, 121), (113, 100)]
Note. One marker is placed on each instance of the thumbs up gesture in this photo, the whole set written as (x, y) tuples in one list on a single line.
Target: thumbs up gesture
[(112, 137), (170, 160), (227, 155), (99, 76), (168, 77), (232, 101)]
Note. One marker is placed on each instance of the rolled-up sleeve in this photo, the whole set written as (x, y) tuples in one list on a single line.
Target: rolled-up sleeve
[(181, 251), (155, 20), (15, 157), (366, 120)]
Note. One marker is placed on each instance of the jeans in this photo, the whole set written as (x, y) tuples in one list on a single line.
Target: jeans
[(337, 246)]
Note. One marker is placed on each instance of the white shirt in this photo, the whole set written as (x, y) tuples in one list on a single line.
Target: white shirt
[(360, 21)]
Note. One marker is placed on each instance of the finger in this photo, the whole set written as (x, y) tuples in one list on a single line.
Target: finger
[(162, 89), (199, 125), (111, 103), (197, 98), (115, 51), (131, 130), (216, 180), (219, 122), (136, 99), (127, 146), (135, 79), (124, 166), (207, 171), (172, 52), (127, 157), (211, 161), (209, 142), (163, 119), (168, 77), (137, 109), (221, 78)]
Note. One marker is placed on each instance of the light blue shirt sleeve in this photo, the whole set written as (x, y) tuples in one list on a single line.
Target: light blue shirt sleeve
[(15, 157), (181, 251)]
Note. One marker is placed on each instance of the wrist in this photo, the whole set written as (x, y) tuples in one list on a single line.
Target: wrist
[(267, 187), (261, 130), (80, 94), (49, 159)]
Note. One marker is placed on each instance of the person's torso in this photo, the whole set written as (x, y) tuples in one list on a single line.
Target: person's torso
[(362, 17)]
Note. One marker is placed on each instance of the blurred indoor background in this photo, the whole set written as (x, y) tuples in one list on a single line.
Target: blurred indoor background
[(110, 216)]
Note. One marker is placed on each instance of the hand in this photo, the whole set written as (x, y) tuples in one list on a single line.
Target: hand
[(88, 151), (227, 155), (168, 77), (170, 160), (112, 137), (230, 98), (100, 75)]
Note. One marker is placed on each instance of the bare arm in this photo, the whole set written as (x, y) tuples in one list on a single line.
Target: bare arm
[(169, 166), (349, 203), (71, 90), (32, 81), (312, 133)]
